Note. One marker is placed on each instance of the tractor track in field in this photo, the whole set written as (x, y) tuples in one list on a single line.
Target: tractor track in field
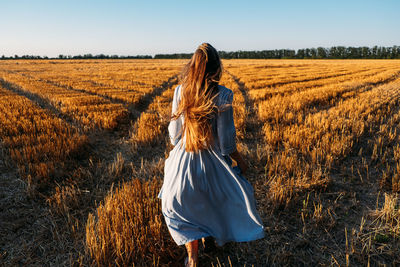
[(331, 101), (315, 78), (320, 78), (123, 130), (359, 89), (253, 125), (41, 102), (304, 88)]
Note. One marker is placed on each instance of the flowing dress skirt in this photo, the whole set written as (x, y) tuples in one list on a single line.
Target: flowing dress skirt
[(202, 195)]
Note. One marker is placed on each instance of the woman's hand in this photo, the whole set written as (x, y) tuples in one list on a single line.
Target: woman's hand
[(238, 158)]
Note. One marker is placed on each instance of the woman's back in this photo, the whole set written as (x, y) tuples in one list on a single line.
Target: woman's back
[(223, 128)]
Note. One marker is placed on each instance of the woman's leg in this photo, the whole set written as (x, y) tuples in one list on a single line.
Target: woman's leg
[(193, 252)]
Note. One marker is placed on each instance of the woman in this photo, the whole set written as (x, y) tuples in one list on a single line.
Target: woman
[(202, 194)]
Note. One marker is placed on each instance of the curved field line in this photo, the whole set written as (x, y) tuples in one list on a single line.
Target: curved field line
[(304, 86), (42, 102), (331, 100)]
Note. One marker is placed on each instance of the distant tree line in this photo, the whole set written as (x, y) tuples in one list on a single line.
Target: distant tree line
[(334, 52), (85, 56)]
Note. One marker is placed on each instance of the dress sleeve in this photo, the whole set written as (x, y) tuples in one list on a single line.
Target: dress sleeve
[(175, 126), (225, 125)]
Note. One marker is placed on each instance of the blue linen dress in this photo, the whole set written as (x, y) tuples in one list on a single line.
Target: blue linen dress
[(202, 194)]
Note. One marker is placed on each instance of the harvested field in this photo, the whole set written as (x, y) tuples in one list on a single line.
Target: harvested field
[(83, 144)]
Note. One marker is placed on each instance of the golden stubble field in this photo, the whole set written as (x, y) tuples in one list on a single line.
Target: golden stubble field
[(83, 144)]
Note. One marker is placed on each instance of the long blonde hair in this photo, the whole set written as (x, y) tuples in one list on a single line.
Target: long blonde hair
[(199, 81)]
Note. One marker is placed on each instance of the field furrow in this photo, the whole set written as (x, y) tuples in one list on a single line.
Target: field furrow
[(90, 110), (292, 108), (37, 141), (264, 93)]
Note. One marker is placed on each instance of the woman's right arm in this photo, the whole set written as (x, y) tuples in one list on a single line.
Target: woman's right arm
[(175, 126)]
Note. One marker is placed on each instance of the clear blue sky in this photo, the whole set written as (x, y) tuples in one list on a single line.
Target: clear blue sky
[(52, 27)]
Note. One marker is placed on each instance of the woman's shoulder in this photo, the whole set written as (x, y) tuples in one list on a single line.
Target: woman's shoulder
[(224, 90), (225, 94)]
